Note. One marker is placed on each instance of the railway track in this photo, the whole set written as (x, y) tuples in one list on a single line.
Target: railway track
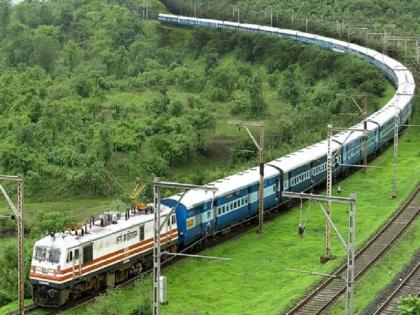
[(328, 291), (239, 229), (410, 285)]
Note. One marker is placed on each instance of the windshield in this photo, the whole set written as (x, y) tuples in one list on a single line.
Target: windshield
[(40, 253), (54, 255)]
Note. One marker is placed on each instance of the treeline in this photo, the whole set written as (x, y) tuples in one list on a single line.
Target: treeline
[(61, 60), (339, 19)]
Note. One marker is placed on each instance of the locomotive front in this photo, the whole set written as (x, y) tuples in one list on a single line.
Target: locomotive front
[(46, 274)]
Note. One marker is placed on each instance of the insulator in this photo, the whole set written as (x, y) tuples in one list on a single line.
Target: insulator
[(301, 229)]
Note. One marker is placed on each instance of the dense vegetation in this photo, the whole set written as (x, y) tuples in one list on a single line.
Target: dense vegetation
[(410, 305), (258, 263), (61, 60), (92, 97), (401, 15)]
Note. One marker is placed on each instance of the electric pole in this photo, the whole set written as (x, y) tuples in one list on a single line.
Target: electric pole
[(260, 149), (18, 214), (158, 226), (364, 113), (395, 159), (394, 177), (349, 246), (330, 169), (327, 251)]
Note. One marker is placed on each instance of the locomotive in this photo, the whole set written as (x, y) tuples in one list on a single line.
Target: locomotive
[(100, 254), (107, 251)]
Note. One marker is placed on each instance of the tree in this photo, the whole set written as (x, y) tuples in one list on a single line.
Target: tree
[(46, 46), (257, 105), (290, 88), (212, 62), (71, 55), (105, 144), (409, 305), (5, 6)]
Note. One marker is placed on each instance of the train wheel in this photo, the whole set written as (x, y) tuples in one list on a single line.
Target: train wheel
[(136, 269)]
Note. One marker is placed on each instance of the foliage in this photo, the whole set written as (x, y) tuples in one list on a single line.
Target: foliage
[(61, 61), (319, 18), (409, 305)]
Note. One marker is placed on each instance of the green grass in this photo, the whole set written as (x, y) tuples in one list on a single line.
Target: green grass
[(254, 280), (77, 207), (13, 307), (383, 273)]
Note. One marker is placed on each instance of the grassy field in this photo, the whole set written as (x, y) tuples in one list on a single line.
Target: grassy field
[(254, 281), (379, 277)]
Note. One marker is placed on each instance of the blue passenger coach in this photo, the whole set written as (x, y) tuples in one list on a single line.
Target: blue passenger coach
[(201, 213)]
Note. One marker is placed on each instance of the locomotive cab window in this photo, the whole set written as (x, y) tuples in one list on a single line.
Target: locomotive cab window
[(40, 253), (54, 255), (76, 254), (173, 219), (87, 253)]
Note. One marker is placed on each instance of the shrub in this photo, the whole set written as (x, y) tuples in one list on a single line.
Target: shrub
[(409, 305)]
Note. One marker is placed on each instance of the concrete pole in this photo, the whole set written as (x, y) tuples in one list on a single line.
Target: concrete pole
[(351, 248), (261, 188), (327, 250), (156, 248), (366, 138), (394, 177), (21, 261), (271, 16)]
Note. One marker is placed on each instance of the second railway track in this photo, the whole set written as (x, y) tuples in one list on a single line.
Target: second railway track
[(328, 291), (410, 285)]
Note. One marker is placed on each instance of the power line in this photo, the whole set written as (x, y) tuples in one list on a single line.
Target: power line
[(349, 246)]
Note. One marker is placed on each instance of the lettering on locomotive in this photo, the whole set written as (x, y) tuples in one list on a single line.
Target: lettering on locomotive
[(126, 237)]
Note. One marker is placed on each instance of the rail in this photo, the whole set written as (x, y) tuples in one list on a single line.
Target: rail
[(329, 290), (409, 285)]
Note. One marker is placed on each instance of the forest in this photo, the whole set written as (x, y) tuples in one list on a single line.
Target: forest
[(93, 97), (401, 15)]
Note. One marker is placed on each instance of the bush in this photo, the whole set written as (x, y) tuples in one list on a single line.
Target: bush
[(5, 297), (239, 106), (143, 309), (409, 305), (216, 94)]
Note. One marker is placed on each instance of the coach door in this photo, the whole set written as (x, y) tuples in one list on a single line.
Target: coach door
[(77, 264), (87, 256), (213, 221)]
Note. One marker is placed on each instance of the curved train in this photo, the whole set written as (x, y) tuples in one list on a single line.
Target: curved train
[(104, 252)]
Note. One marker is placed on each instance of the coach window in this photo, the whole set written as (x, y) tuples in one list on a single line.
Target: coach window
[(141, 232)]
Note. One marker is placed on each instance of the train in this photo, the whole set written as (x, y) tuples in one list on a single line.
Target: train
[(65, 265)]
